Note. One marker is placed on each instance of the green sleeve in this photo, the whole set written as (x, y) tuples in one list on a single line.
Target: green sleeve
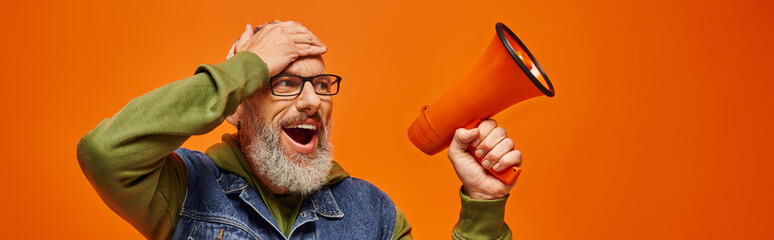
[(482, 219), (129, 157), (479, 219), (402, 226)]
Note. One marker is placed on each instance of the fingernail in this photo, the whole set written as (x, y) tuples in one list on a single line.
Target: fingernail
[(485, 164), (496, 167), (479, 153)]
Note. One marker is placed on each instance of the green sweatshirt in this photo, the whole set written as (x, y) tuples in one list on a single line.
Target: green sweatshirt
[(130, 160)]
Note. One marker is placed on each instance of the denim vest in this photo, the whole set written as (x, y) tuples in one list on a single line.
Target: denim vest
[(221, 205)]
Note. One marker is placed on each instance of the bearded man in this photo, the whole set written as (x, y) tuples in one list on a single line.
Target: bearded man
[(275, 178)]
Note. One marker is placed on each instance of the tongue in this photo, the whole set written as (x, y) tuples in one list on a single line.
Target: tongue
[(300, 135)]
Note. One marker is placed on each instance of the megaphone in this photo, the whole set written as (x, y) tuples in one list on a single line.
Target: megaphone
[(506, 74)]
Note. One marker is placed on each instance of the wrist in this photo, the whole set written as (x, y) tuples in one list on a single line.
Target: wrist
[(482, 195), (481, 219)]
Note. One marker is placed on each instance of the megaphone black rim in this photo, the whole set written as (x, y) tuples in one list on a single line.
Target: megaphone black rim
[(501, 30)]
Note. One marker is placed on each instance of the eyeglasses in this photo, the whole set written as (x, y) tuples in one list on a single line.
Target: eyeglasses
[(286, 85)]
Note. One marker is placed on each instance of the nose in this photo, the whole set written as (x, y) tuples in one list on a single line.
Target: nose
[(308, 101)]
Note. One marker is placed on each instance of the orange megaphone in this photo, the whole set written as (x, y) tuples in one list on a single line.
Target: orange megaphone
[(506, 74)]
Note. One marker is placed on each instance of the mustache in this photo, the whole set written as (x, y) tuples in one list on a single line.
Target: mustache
[(300, 118)]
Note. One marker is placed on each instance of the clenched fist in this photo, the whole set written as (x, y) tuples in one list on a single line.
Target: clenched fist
[(497, 150)]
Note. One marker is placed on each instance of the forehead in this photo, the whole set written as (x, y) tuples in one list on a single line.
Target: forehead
[(306, 66)]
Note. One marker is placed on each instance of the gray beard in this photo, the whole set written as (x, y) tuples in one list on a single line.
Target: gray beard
[(299, 173)]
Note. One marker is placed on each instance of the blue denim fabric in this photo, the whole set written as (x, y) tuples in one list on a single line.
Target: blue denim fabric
[(222, 204)]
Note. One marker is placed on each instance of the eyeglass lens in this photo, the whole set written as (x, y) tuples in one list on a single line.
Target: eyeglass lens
[(291, 85)]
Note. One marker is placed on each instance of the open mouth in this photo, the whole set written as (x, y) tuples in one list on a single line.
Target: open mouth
[(301, 136), (301, 133)]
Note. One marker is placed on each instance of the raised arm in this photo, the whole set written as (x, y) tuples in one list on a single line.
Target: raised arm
[(129, 157), (483, 195)]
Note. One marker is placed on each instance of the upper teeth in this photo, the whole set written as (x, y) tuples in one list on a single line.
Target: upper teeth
[(303, 125)]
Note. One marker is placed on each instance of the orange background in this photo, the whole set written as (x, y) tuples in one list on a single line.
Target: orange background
[(660, 128)]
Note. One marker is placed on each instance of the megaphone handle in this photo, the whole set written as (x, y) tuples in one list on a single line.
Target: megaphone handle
[(507, 176)]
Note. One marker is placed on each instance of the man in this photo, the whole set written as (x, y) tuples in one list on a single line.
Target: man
[(274, 178)]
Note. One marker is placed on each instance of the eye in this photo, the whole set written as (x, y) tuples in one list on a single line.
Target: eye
[(323, 85), (285, 83)]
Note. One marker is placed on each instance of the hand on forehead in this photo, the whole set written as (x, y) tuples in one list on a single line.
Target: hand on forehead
[(281, 44)]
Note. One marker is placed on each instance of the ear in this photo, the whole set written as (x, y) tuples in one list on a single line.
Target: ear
[(237, 116)]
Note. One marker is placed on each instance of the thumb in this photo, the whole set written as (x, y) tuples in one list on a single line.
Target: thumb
[(462, 139), (246, 35)]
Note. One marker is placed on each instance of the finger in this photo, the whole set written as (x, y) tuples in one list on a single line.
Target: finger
[(510, 159), (462, 139), (297, 28), (491, 140), (307, 38), (248, 31), (260, 27), (291, 27), (484, 127), (309, 50), (294, 24), (266, 27), (491, 159), (246, 35)]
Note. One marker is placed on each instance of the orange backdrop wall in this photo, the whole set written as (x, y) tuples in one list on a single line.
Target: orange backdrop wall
[(660, 129)]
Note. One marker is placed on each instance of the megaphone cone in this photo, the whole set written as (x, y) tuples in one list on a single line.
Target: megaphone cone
[(506, 74)]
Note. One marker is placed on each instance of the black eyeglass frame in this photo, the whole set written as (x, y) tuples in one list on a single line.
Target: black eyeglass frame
[(303, 82)]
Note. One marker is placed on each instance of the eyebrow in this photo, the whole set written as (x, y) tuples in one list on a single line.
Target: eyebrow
[(287, 73)]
